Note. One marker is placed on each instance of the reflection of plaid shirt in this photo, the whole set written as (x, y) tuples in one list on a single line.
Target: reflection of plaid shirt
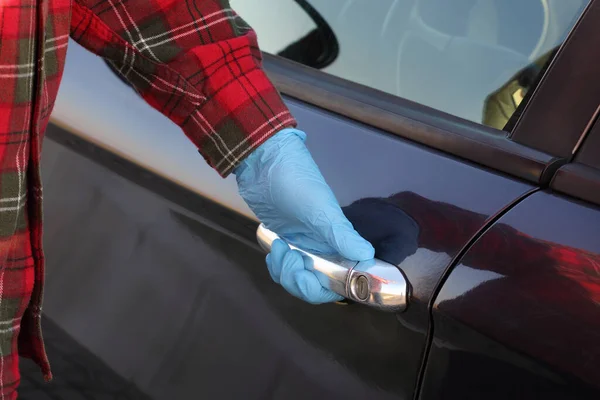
[(195, 61), (550, 294)]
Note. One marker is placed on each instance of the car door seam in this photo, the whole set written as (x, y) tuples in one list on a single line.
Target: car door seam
[(476, 236)]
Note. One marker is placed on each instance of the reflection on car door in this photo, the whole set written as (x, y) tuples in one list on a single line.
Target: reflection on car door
[(519, 316)]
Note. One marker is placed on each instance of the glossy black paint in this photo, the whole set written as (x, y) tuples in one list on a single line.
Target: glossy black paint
[(79, 374), (170, 291), (519, 316)]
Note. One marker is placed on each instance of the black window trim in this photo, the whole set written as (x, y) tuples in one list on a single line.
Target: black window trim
[(518, 153), (587, 150), (579, 181), (581, 178), (468, 140)]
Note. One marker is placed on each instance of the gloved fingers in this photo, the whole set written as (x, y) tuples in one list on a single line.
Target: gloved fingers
[(275, 259), (309, 243), (330, 223), (302, 283), (325, 235), (292, 262), (270, 268), (349, 244), (311, 289)]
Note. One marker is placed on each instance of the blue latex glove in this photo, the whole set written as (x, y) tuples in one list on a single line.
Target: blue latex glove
[(285, 189)]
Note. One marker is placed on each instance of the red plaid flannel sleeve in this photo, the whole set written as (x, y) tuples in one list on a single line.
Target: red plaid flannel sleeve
[(195, 61)]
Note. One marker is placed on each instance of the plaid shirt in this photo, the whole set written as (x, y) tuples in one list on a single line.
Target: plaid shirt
[(195, 61)]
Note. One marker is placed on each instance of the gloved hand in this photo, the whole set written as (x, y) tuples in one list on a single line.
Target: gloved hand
[(285, 189)]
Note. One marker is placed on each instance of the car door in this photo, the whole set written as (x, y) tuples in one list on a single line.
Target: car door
[(519, 315), (156, 287), (522, 322)]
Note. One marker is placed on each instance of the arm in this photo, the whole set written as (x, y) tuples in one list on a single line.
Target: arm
[(197, 62)]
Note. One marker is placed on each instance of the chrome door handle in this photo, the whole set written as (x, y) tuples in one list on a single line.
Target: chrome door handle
[(374, 282)]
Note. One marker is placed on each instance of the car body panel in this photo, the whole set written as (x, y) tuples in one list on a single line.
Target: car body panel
[(519, 316), (152, 264), (77, 373)]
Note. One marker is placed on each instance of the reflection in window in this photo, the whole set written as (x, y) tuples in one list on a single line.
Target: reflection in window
[(476, 59)]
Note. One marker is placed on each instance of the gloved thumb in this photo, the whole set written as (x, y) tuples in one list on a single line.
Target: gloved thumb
[(349, 244)]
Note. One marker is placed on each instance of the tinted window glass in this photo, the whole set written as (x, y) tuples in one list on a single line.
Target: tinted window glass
[(476, 59)]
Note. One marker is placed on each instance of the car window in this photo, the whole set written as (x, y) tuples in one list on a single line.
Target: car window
[(476, 59)]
